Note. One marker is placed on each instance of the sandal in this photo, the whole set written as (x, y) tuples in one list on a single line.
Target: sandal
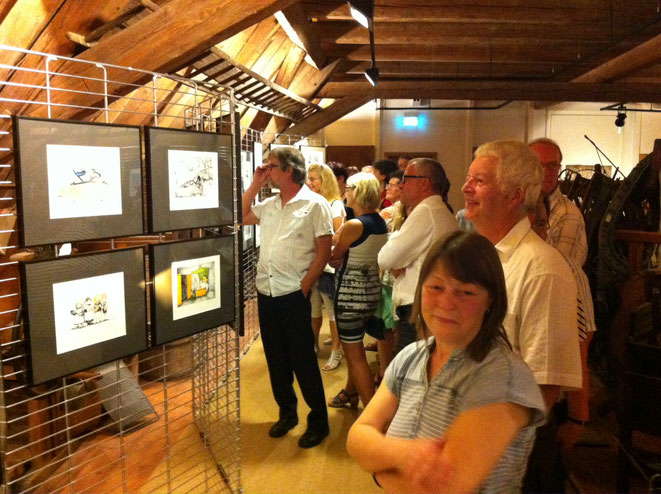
[(344, 400), (333, 361), (328, 341)]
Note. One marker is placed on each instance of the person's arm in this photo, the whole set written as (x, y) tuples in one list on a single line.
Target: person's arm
[(322, 248), (459, 462), (578, 408), (342, 240), (259, 180), (407, 244)]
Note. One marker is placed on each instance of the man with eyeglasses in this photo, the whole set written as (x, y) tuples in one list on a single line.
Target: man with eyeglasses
[(424, 193), (502, 187), (566, 225), (296, 230)]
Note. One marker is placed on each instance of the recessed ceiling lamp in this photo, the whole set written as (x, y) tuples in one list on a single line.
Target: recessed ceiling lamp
[(362, 11)]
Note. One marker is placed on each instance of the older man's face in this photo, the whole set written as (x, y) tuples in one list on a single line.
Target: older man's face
[(484, 199), (549, 157)]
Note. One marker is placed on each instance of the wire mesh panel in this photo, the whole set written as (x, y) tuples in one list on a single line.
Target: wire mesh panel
[(166, 419)]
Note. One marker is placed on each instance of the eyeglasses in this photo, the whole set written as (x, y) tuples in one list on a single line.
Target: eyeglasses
[(406, 177), (394, 185)]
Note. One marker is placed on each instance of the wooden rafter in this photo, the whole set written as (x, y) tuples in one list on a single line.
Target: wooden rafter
[(642, 56), (328, 115), (298, 20), (491, 90)]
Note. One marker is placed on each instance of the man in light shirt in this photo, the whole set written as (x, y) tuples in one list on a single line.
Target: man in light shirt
[(423, 185), (296, 229), (503, 186), (566, 225)]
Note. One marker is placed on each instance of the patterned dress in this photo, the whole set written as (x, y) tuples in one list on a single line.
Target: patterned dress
[(358, 286)]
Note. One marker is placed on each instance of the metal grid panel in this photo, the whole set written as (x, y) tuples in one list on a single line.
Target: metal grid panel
[(165, 420)]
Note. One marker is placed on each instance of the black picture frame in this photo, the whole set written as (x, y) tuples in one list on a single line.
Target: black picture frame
[(60, 340), (66, 168), (170, 323), (207, 206)]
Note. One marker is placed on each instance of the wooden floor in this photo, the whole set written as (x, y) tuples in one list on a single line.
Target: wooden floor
[(279, 465)]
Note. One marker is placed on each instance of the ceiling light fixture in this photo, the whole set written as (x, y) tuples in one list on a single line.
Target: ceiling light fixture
[(372, 74), (362, 11), (621, 117)]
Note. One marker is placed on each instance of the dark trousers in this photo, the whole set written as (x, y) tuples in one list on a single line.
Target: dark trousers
[(406, 332), (289, 348), (545, 472)]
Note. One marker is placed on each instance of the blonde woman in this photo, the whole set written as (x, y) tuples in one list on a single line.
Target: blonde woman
[(355, 250), (322, 181)]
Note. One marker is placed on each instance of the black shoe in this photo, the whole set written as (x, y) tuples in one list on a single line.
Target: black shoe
[(283, 426), (312, 437)]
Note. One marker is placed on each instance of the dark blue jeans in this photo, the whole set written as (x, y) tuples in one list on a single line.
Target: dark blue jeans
[(289, 348)]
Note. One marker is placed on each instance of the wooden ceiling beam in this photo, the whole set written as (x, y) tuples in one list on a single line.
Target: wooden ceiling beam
[(258, 41), (22, 26), (452, 69), (309, 80), (490, 90), (306, 32), (561, 52), (184, 32), (642, 56), (328, 115), (468, 13), (428, 33)]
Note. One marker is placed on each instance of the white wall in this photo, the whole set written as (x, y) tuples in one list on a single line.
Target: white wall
[(454, 134), (358, 128)]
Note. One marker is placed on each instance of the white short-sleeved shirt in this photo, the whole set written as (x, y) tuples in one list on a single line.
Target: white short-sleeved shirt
[(541, 307), (288, 239), (408, 247)]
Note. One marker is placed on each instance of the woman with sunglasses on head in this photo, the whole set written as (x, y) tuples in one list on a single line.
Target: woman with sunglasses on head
[(457, 409), (355, 251)]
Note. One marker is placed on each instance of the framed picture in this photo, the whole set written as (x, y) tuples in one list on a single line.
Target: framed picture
[(313, 155), (83, 311), (190, 179), (77, 181), (193, 286), (247, 172)]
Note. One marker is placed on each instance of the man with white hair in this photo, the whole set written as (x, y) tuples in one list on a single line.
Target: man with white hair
[(502, 187)]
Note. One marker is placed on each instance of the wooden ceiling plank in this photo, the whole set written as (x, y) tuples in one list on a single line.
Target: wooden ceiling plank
[(644, 55), (258, 42), (235, 44), (271, 59), (308, 80), (491, 90), (184, 32), (306, 32), (328, 115)]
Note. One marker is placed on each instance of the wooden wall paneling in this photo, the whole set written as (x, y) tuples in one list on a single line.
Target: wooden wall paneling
[(357, 156)]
